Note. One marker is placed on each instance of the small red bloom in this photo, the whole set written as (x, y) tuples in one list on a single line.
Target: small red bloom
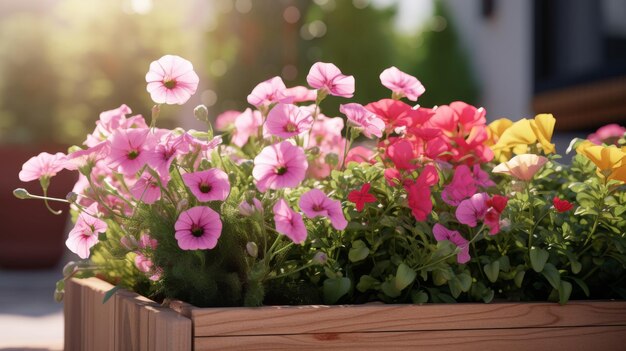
[(361, 197), (562, 205)]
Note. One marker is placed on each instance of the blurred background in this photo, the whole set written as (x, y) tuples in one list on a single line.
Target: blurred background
[(62, 62)]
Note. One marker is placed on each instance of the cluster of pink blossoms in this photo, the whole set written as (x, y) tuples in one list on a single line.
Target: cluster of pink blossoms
[(127, 162)]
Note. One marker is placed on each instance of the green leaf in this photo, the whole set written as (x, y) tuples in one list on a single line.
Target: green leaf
[(455, 287), (405, 275), (389, 288), (505, 264), (538, 258), (552, 275), (488, 296), (335, 288), (366, 282), (358, 252), (564, 292), (419, 297), (110, 293), (519, 278), (576, 266), (583, 286), (465, 280), (492, 270)]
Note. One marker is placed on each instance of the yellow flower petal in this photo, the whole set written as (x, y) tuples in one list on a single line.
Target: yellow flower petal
[(496, 128), (519, 133), (543, 128), (606, 158)]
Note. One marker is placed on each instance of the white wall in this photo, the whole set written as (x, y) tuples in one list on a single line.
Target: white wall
[(500, 50)]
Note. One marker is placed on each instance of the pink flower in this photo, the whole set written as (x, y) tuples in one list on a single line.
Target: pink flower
[(480, 207), (481, 178), (363, 119), (495, 207), (198, 228), (419, 194), (84, 235), (522, 167), (246, 125), (209, 185), (248, 209), (44, 165), (146, 189), (278, 166), (460, 188), (442, 233), (289, 222), (402, 154), (608, 134), (561, 205), (269, 92), (147, 242), (129, 150), (402, 84), (329, 79), (143, 263), (90, 155), (301, 94), (287, 120), (314, 203), (361, 197), (226, 120), (360, 154), (164, 153), (171, 80)]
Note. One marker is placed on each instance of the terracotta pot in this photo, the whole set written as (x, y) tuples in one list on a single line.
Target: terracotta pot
[(130, 321), (30, 236)]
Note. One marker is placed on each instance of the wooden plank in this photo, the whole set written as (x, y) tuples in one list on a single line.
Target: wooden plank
[(98, 319), (574, 338), (379, 317), (72, 312), (172, 331)]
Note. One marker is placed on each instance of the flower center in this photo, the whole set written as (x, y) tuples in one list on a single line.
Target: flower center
[(281, 170), (197, 231), (205, 188), (318, 208), (133, 154), (290, 127), (169, 83)]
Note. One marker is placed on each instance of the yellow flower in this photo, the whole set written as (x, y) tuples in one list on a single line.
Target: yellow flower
[(494, 132), (521, 134), (543, 127), (610, 160)]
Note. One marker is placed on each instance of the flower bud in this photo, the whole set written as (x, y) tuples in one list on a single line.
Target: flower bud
[(252, 249), (320, 258), (248, 209), (21, 193), (201, 113), (332, 159), (129, 242), (314, 151), (69, 269)]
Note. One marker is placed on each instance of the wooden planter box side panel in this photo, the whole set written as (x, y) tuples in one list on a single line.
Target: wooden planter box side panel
[(127, 321)]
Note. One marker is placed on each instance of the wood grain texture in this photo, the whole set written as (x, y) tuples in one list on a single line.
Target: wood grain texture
[(127, 321), (576, 338), (379, 317)]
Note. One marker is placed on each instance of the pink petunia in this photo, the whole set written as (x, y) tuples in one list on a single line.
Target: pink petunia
[(523, 167), (403, 155), (171, 80), (442, 233), (226, 120), (314, 203), (279, 166), (147, 242), (247, 124), (419, 193), (402, 84), (91, 155), (301, 94), (198, 228), (168, 148), (143, 263), (608, 134), (269, 92), (328, 78), (209, 185), (495, 207), (460, 188), (44, 165), (287, 120), (129, 150), (248, 209), (146, 189), (472, 210), (289, 222), (363, 119), (360, 154), (481, 178), (84, 235)]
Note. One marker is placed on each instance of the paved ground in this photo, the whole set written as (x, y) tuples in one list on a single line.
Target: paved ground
[(30, 319)]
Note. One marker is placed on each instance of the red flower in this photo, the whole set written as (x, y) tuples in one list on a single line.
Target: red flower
[(361, 197), (562, 205)]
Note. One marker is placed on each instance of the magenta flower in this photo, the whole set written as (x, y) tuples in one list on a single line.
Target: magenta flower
[(84, 235), (608, 134), (460, 188), (209, 185), (289, 222), (269, 92), (246, 125), (287, 120), (314, 203), (361, 197), (147, 242), (171, 80), (472, 210), (91, 155), (198, 228), (363, 119), (278, 166), (248, 209), (402, 84), (44, 165), (442, 233), (129, 150), (329, 79), (146, 189)]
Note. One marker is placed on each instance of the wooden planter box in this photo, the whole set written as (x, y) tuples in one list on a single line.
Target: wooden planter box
[(129, 321)]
